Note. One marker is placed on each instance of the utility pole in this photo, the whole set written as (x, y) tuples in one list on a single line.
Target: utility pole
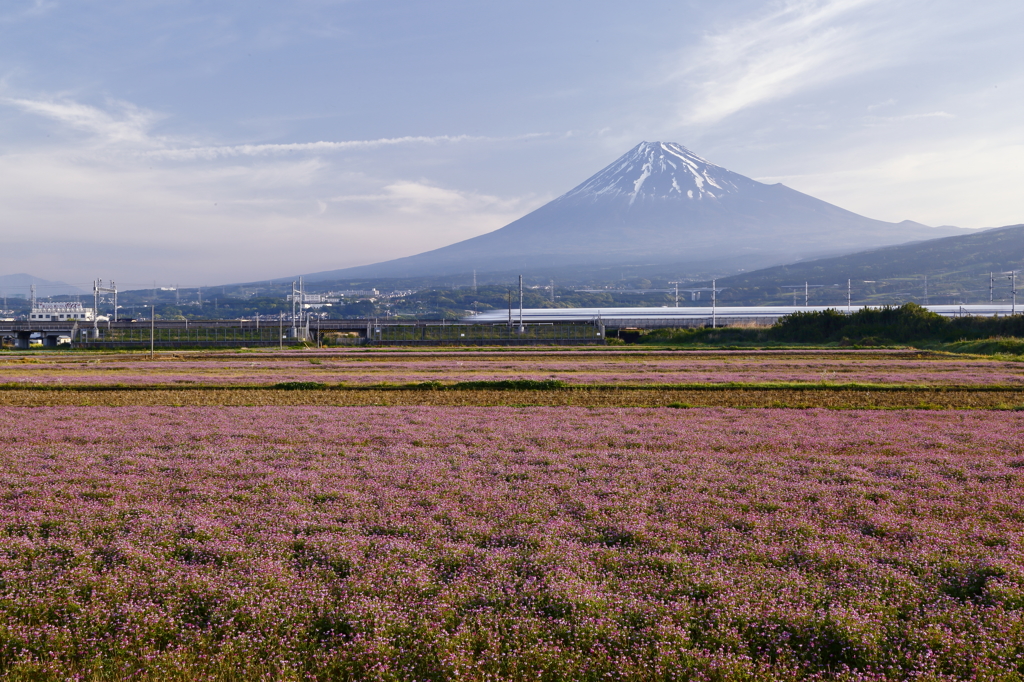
[(849, 297), (280, 331), (552, 291), (677, 292), (714, 304), (293, 310), (474, 281), (991, 286), (152, 331), (521, 329), (177, 289), (1013, 290), (32, 290), (806, 294), (199, 296)]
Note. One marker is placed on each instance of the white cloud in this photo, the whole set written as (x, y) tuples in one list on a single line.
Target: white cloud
[(970, 181), (882, 105), (880, 120), (421, 197), (31, 8), (796, 45), (125, 123), (204, 224), (227, 151), (132, 205)]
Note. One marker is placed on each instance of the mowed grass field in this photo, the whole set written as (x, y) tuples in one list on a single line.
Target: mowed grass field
[(333, 528)]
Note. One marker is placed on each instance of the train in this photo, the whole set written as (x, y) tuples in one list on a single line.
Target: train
[(695, 316)]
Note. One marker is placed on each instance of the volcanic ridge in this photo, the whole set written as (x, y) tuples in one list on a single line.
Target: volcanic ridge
[(661, 204)]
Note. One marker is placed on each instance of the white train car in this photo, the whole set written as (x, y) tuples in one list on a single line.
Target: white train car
[(695, 316)]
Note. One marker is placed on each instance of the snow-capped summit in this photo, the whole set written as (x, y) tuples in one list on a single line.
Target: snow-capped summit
[(661, 203), (654, 170)]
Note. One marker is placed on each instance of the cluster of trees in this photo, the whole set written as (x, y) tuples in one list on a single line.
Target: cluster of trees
[(908, 322)]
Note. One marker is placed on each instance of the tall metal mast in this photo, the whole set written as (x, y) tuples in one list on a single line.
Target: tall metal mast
[(302, 301), (97, 289), (521, 329), (714, 304), (293, 310), (1013, 291)]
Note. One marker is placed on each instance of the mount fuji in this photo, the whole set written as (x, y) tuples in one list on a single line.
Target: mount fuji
[(661, 204)]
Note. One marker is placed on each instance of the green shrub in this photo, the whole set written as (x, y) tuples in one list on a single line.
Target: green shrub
[(888, 325)]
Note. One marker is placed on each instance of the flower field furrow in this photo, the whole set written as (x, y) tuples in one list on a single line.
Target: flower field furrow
[(576, 377), (589, 369), (437, 543), (707, 396)]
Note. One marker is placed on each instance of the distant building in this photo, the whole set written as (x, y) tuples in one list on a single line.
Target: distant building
[(355, 293), (312, 298), (60, 312)]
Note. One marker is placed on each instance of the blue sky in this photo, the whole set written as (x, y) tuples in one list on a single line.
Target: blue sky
[(193, 142)]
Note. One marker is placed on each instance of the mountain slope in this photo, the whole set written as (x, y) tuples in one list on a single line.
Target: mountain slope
[(660, 203), (20, 285), (961, 263)]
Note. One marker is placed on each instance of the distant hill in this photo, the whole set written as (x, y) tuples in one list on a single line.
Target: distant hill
[(957, 269), (20, 285), (658, 204)]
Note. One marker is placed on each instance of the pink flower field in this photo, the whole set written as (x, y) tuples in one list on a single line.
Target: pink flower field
[(428, 543)]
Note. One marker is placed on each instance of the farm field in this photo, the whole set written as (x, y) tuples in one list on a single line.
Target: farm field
[(578, 367), (478, 543), (319, 515), (751, 396)]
